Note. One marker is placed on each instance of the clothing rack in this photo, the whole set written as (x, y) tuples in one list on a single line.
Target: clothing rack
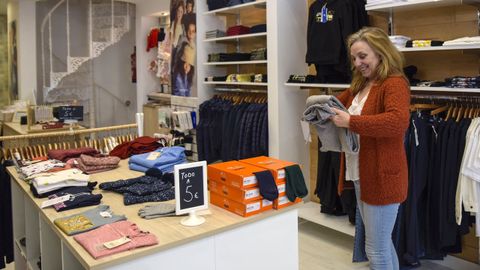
[(442, 100), (36, 145), (240, 90), (67, 133)]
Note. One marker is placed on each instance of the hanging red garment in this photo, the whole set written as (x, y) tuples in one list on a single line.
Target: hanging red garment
[(152, 39)]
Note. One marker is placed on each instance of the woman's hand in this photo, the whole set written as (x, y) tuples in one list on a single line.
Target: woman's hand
[(341, 119)]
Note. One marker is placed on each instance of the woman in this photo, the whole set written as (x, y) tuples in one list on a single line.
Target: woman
[(177, 29), (378, 102)]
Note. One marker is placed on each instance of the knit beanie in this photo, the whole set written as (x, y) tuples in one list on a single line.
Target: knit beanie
[(267, 186), (295, 186), (154, 172)]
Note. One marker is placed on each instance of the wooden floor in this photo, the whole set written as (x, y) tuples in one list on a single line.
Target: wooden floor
[(324, 249)]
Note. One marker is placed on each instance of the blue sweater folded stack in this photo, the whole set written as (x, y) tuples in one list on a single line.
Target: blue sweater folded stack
[(168, 157)]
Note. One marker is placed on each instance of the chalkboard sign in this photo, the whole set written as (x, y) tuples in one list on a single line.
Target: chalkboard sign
[(191, 187), (70, 113)]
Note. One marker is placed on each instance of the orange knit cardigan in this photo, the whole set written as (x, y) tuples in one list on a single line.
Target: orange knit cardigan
[(382, 126)]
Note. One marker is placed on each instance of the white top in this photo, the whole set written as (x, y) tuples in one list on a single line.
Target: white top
[(468, 187), (351, 159)]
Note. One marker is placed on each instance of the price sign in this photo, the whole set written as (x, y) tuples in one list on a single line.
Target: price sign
[(191, 187), (70, 113)]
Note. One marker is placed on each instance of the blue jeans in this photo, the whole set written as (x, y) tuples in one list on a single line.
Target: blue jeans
[(379, 221)]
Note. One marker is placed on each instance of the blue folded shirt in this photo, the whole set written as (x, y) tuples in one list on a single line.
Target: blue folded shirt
[(169, 156), (166, 168)]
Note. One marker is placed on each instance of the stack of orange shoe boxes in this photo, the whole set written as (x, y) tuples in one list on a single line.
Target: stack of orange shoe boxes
[(277, 167), (234, 187)]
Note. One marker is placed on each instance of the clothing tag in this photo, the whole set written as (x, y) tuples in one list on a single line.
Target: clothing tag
[(154, 155), (51, 202), (105, 214), (324, 14), (416, 133), (117, 242), (306, 131)]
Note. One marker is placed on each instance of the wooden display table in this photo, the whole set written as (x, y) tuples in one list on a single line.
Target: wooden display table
[(225, 241)]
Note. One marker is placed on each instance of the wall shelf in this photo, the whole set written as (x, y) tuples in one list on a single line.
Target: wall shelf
[(235, 38), (318, 85), (441, 48), (445, 89), (418, 5), (311, 211), (413, 88), (237, 83), (236, 63), (237, 9)]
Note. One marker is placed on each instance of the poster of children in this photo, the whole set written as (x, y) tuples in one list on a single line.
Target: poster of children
[(183, 30)]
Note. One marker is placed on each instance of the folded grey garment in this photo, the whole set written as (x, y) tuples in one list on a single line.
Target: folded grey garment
[(159, 216), (157, 210), (333, 138)]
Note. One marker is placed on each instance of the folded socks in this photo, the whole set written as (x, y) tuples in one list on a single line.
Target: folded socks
[(295, 186), (267, 186)]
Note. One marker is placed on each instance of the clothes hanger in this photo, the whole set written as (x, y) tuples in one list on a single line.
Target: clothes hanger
[(423, 106), (439, 110), (449, 112), (37, 149), (4, 153), (30, 152), (460, 113), (44, 150)]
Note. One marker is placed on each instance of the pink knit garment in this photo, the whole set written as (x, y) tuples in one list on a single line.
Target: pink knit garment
[(93, 240), (92, 165)]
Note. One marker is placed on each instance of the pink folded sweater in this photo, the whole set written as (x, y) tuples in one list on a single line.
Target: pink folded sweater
[(93, 241)]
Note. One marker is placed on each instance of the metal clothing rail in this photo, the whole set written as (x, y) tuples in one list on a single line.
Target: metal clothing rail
[(240, 90), (66, 133)]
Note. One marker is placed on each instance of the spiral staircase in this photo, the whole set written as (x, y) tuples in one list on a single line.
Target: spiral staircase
[(102, 23)]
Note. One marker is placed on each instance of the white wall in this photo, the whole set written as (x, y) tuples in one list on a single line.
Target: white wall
[(286, 44), (23, 11), (147, 17)]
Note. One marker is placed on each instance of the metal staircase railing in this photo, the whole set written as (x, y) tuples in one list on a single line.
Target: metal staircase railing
[(101, 36)]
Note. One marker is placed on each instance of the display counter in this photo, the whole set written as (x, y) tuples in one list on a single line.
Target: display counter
[(225, 241)]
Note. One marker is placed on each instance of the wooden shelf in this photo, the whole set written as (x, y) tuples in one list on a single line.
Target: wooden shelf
[(233, 38), (233, 10), (418, 5), (441, 48), (311, 211), (237, 83), (236, 63)]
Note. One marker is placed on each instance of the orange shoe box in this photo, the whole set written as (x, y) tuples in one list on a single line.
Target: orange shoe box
[(283, 201), (234, 173), (266, 205), (244, 195), (281, 188), (244, 210), (276, 166)]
